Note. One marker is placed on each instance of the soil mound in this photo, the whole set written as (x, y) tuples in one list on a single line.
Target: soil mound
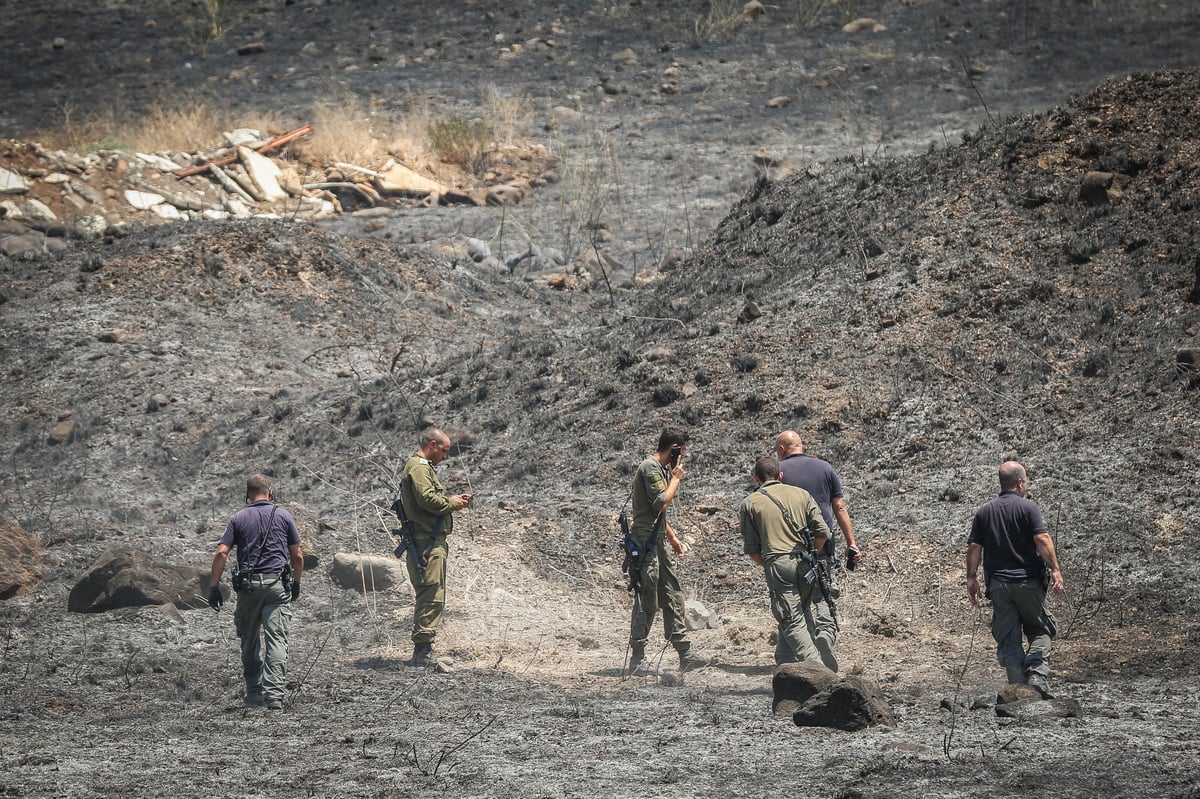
[(1030, 293)]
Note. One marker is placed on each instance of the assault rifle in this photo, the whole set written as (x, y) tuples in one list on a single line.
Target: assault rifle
[(408, 540), (818, 573), (632, 564)]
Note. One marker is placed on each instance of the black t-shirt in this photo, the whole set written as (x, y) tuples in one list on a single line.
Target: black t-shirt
[(1005, 528)]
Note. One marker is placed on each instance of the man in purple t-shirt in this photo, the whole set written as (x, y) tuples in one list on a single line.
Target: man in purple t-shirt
[(1008, 534), (269, 565)]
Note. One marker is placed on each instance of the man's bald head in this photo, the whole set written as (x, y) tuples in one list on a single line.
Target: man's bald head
[(788, 443), (1011, 474)]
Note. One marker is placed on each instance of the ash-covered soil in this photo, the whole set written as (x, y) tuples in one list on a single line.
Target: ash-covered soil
[(919, 313)]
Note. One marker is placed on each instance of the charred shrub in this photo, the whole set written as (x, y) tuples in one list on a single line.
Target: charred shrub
[(744, 363)]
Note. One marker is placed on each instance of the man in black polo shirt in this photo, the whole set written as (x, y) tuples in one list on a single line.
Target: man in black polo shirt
[(1019, 563), (268, 545)]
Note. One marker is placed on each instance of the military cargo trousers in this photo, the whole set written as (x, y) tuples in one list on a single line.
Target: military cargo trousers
[(430, 589), (791, 605), (660, 590), (262, 618)]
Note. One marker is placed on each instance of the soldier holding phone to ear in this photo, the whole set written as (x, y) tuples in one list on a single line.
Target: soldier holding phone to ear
[(654, 488)]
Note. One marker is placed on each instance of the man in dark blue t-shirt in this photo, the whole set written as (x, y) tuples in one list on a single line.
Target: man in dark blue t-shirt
[(1009, 536), (820, 480)]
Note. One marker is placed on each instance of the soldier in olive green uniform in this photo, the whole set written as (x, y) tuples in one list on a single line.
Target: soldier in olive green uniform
[(775, 540), (429, 510), (654, 488)]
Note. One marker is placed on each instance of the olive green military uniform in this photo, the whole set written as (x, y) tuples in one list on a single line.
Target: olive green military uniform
[(430, 511), (660, 581), (766, 532)]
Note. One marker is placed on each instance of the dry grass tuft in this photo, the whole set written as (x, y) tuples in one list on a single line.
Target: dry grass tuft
[(344, 130), (465, 143), (510, 115)]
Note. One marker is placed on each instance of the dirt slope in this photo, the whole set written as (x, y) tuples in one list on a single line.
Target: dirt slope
[(917, 319)]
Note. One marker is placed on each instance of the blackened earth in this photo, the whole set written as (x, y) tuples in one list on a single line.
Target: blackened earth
[(924, 282)]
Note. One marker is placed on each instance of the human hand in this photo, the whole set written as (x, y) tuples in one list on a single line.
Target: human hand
[(677, 545), (973, 591), (1056, 583), (853, 557), (295, 590), (215, 600), (461, 501)]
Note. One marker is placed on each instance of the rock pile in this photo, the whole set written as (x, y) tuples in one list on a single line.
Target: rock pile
[(47, 196)]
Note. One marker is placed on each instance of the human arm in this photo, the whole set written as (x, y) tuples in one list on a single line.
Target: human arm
[(751, 541), (676, 543), (215, 600), (842, 514), (296, 561), (674, 479), (816, 525), (218, 565), (1045, 548), (974, 558), (428, 493)]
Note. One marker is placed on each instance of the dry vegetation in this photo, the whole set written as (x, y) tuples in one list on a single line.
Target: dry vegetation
[(347, 128)]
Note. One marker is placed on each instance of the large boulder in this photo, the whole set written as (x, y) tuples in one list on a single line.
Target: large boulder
[(124, 577), (22, 559), (796, 683), (853, 703), (364, 573)]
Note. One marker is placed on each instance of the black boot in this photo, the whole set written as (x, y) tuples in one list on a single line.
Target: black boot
[(637, 658), (689, 660), (422, 654)]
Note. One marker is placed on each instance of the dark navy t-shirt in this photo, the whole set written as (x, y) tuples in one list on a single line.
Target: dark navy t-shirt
[(1005, 528), (816, 477), (244, 532)]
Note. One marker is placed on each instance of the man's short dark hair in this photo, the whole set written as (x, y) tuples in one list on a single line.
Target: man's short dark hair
[(767, 468), (671, 437), (430, 435), (258, 485)]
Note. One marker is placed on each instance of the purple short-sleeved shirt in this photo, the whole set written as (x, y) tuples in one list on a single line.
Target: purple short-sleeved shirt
[(244, 532)]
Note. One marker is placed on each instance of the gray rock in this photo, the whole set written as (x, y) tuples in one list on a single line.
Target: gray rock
[(18, 245), (505, 194), (93, 225), (698, 617), (12, 183), (1034, 710), (364, 573), (854, 703), (478, 249), (37, 210), (796, 683), (62, 433)]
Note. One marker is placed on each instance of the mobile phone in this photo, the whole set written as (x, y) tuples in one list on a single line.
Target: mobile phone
[(676, 451)]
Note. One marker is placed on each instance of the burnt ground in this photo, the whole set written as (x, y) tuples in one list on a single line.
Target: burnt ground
[(939, 289)]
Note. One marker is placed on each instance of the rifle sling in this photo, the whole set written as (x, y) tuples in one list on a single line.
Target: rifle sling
[(806, 534), (406, 524)]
